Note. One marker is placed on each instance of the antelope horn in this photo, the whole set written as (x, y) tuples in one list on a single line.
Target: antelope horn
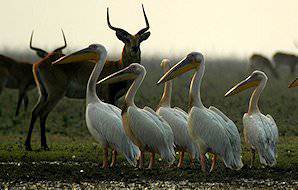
[(147, 23), (112, 27), (35, 48), (65, 44)]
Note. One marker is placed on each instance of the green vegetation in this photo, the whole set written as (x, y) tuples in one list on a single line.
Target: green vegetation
[(77, 157)]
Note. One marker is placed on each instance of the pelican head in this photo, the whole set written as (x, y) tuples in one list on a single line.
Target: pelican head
[(91, 53), (190, 62), (129, 73), (252, 81), (294, 83), (165, 64)]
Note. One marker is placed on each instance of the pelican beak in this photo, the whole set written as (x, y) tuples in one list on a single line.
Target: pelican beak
[(183, 66), (247, 83), (82, 55), (294, 83), (122, 75)]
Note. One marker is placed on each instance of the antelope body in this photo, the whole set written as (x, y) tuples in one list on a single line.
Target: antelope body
[(287, 59), (70, 80), (260, 62), (16, 75)]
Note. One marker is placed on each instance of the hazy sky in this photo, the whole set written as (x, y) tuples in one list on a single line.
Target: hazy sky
[(221, 27)]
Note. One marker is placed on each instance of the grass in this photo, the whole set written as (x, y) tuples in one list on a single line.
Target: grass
[(72, 145), (80, 159)]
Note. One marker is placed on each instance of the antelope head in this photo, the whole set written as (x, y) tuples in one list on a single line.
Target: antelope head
[(42, 53), (131, 50)]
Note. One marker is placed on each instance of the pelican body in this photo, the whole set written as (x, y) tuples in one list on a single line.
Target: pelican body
[(144, 127), (103, 120), (260, 131), (209, 128), (177, 119)]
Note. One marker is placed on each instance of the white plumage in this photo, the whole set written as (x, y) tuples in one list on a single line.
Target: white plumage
[(104, 121), (260, 131), (216, 133), (143, 126), (152, 133), (177, 119), (209, 128)]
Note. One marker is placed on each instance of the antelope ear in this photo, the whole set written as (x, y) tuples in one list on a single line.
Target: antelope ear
[(124, 37), (41, 54), (144, 36)]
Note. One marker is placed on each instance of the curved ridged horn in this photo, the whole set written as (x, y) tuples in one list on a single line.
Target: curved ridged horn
[(147, 23), (65, 44), (112, 27), (35, 48)]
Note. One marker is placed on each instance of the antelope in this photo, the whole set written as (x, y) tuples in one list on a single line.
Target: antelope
[(260, 62), (42, 53), (70, 80), (16, 75), (290, 60)]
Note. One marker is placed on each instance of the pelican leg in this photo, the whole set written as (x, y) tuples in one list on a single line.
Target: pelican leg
[(203, 162), (181, 159), (214, 158), (141, 161), (114, 157), (152, 155), (192, 161), (253, 156), (105, 163)]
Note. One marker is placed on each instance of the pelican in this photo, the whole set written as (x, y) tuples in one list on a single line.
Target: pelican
[(294, 83), (177, 119), (144, 127), (210, 129), (103, 120), (260, 131)]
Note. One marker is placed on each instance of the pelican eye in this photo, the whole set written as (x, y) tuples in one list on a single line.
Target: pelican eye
[(93, 47)]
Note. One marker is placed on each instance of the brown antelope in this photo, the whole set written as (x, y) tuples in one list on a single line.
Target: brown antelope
[(260, 62), (16, 75), (287, 59), (70, 80)]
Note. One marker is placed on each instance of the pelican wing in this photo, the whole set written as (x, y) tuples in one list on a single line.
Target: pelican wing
[(230, 125), (115, 110), (163, 125), (215, 134), (274, 127), (106, 127), (150, 131), (147, 129), (220, 113), (178, 123), (155, 117), (181, 112), (262, 134)]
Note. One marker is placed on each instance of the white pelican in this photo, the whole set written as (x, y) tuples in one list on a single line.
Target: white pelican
[(103, 120), (177, 119), (211, 130), (144, 127), (260, 131), (294, 83)]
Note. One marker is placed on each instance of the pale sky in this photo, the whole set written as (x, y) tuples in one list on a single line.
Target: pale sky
[(221, 27)]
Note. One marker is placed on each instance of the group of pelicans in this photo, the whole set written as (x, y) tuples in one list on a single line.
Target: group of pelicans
[(132, 131)]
